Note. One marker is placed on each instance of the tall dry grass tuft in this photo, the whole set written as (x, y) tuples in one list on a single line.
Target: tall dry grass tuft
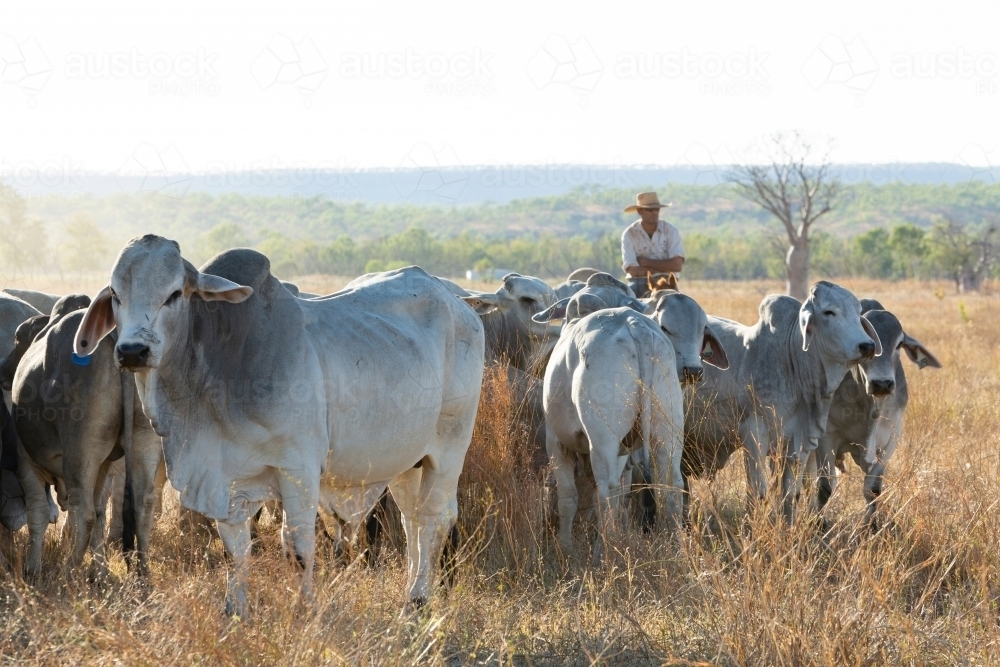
[(501, 499), (732, 590)]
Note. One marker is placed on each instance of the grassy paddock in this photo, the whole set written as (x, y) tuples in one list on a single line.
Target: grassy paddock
[(729, 591)]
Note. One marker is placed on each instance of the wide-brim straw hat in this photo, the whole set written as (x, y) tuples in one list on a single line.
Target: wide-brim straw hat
[(646, 200)]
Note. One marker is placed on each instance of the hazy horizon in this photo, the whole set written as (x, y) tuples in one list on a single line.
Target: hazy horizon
[(443, 185)]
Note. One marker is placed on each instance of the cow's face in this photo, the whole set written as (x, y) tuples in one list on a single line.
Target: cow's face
[(601, 291), (879, 373), (831, 321), (685, 324), (148, 300), (518, 299)]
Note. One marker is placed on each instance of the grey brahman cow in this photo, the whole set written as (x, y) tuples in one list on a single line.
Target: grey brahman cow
[(74, 417), (776, 398), (866, 418)]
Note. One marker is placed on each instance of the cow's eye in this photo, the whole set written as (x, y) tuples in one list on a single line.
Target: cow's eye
[(829, 313), (664, 330), (527, 300), (114, 297), (173, 297)]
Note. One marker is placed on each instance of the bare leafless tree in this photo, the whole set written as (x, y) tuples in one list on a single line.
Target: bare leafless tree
[(796, 188)]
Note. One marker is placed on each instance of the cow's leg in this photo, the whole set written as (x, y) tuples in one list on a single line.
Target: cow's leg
[(36, 501), (754, 435), (405, 489), (115, 490), (873, 489), (882, 443), (161, 481), (826, 479), (101, 492), (564, 472), (791, 464), (300, 502), (81, 478), (638, 482), (146, 462), (236, 540), (53, 507), (667, 424), (437, 512), (608, 468), (375, 528)]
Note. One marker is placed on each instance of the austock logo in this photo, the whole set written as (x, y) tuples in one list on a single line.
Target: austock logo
[(182, 74), (24, 64), (983, 163), (737, 73), (38, 179), (450, 74), (836, 62), (284, 62), (710, 164), (155, 170), (430, 174), (560, 62)]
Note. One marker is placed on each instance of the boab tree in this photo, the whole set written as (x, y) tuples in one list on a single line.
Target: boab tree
[(796, 188)]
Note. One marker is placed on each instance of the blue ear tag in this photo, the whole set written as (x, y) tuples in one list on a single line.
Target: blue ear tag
[(81, 361)]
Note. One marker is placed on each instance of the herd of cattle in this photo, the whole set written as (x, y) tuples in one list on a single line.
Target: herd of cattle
[(242, 390)]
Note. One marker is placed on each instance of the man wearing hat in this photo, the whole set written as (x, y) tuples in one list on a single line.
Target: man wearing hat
[(650, 245)]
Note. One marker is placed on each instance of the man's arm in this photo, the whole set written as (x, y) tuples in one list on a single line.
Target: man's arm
[(672, 265), (630, 262)]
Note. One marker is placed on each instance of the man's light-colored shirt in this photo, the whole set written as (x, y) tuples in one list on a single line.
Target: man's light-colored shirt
[(666, 243)]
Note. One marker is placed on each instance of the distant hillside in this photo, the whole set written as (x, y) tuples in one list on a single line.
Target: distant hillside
[(586, 212), (431, 184)]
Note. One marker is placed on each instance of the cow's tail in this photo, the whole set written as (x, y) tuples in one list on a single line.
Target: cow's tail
[(128, 500), (642, 495)]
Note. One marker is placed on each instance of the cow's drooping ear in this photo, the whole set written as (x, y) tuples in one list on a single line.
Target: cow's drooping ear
[(919, 354), (482, 303), (556, 311), (805, 321), (870, 330), (97, 323), (712, 351), (216, 288)]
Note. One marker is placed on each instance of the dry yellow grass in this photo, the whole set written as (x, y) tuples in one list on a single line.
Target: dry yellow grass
[(924, 591)]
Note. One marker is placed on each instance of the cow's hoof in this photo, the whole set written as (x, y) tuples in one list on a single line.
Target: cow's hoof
[(876, 526), (236, 607), (417, 603)]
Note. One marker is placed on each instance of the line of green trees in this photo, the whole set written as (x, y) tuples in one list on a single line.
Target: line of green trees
[(937, 232), (958, 252)]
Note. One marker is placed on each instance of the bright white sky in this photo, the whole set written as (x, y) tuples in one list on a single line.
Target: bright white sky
[(889, 81)]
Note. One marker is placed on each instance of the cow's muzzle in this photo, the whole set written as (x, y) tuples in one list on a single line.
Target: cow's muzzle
[(132, 355), (881, 387), (690, 374)]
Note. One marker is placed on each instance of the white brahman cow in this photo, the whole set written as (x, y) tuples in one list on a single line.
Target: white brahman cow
[(320, 403)]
